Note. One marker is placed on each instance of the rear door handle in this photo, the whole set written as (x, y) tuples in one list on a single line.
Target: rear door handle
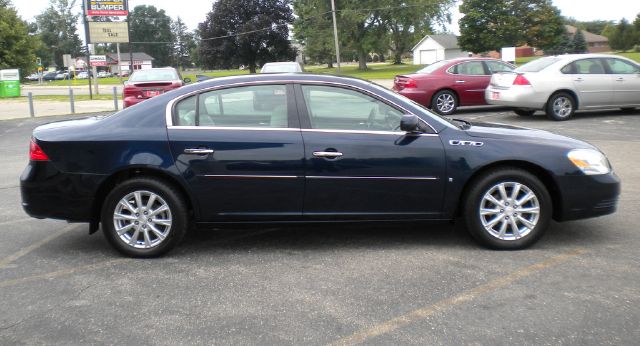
[(620, 79), (578, 79), (327, 154), (198, 151), (460, 81)]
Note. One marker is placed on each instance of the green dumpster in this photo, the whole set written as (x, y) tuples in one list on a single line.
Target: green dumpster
[(9, 83)]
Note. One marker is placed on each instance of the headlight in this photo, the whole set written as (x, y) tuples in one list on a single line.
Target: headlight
[(590, 162)]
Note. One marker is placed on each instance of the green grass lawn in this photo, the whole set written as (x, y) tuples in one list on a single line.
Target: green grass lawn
[(375, 71), (65, 98)]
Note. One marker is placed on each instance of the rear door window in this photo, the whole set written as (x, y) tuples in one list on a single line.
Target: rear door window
[(250, 106), (585, 66), (619, 66)]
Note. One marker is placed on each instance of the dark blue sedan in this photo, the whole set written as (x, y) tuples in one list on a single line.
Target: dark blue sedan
[(294, 148)]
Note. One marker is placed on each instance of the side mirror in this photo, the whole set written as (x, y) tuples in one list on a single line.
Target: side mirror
[(187, 80), (411, 123)]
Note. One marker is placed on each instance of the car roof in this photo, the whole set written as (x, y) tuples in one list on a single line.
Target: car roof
[(281, 63)]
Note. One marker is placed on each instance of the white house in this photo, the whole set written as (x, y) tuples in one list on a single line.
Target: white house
[(141, 61), (434, 48)]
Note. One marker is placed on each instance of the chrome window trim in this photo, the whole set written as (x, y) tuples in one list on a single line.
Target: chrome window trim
[(234, 128), (292, 129), (171, 103)]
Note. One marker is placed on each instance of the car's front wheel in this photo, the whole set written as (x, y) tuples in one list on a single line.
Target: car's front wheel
[(507, 209), (561, 106), (444, 102), (144, 217)]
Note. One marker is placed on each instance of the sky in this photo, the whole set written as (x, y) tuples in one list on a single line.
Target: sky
[(195, 11)]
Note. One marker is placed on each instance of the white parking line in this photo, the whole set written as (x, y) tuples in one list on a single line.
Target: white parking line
[(463, 297), (24, 251)]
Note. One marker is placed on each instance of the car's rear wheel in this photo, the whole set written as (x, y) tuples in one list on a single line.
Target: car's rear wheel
[(144, 217), (507, 209), (561, 106), (524, 112), (444, 102)]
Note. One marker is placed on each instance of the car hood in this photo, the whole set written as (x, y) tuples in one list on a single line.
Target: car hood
[(510, 132)]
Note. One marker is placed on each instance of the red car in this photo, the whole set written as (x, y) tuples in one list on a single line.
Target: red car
[(144, 84), (445, 85)]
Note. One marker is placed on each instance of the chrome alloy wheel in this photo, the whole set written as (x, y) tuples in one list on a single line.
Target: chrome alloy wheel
[(445, 103), (142, 219), (562, 107), (509, 211)]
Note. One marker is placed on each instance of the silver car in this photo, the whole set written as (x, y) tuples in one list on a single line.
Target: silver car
[(282, 67), (560, 85)]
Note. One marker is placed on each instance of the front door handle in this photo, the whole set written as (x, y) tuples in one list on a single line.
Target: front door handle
[(327, 154), (198, 151), (578, 79), (460, 81)]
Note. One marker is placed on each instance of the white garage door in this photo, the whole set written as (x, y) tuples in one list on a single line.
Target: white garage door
[(428, 56)]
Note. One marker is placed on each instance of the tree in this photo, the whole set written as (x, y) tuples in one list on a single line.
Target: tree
[(408, 23), (151, 33), (57, 30), (623, 36), (593, 26), (183, 44), (248, 32), (492, 24), (579, 44), (313, 28), (18, 47)]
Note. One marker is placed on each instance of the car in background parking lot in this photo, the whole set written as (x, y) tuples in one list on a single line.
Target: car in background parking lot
[(104, 74), (445, 85), (282, 67), (331, 149), (562, 84), (145, 84)]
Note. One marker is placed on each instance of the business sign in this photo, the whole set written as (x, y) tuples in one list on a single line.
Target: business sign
[(98, 60), (108, 32), (106, 7), (508, 54)]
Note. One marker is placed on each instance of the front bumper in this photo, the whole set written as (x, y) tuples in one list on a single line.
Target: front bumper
[(587, 196), (48, 193)]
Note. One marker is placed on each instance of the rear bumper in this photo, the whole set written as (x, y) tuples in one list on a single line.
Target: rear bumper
[(587, 196), (131, 100), (516, 97), (49, 193), (419, 96)]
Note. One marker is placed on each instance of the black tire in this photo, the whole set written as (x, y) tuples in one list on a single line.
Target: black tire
[(444, 102), (160, 237), (524, 112), (561, 106), (489, 229)]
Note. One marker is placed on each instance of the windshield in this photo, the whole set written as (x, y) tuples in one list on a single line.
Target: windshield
[(154, 75), (538, 64), (433, 67)]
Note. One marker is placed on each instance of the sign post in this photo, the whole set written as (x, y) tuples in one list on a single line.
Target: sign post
[(102, 31)]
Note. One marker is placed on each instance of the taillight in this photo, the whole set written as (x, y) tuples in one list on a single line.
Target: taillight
[(36, 153), (410, 83), (130, 90), (521, 80)]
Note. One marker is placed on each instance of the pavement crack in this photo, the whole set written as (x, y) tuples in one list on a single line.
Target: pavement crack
[(17, 323)]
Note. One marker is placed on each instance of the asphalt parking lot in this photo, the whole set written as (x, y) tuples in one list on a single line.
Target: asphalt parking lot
[(395, 284)]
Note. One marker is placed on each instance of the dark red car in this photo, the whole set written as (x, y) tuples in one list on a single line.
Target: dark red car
[(445, 85), (144, 84)]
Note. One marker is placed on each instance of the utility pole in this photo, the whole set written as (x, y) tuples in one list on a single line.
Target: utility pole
[(86, 44), (335, 33)]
